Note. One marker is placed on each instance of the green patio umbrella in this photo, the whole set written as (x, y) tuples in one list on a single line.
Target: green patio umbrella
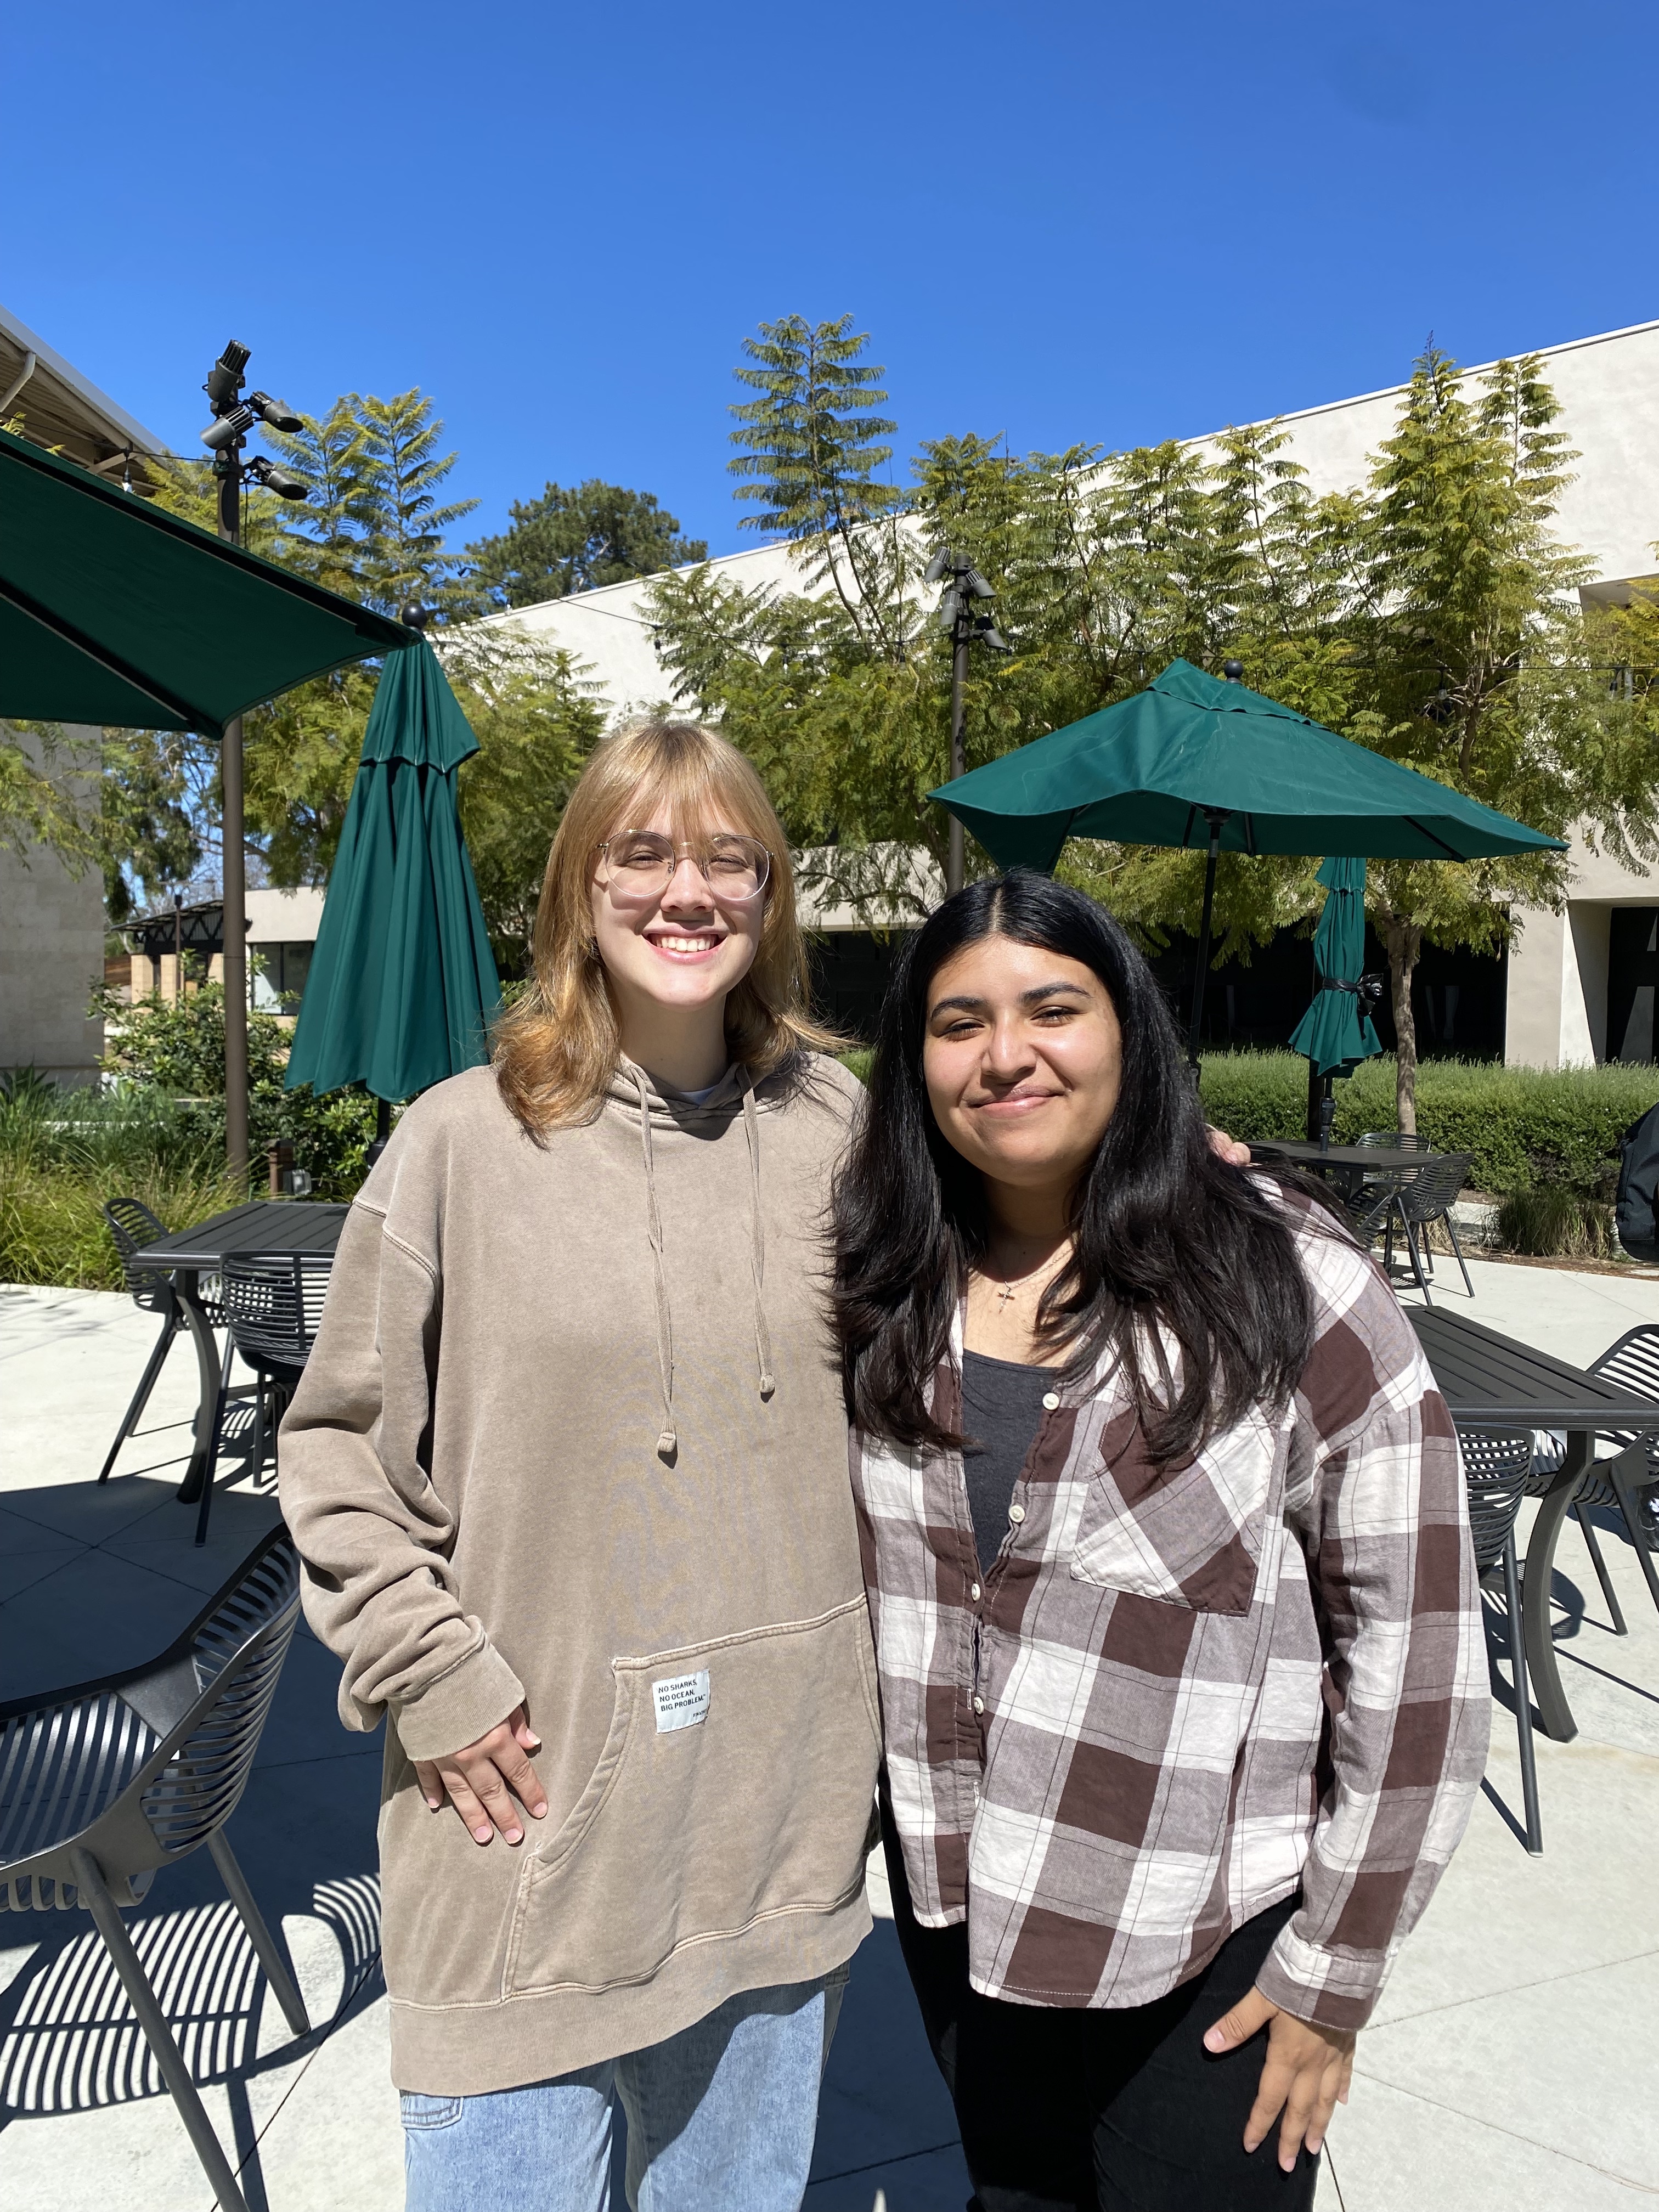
[(1336, 1033), (1194, 760), (401, 985), (113, 610)]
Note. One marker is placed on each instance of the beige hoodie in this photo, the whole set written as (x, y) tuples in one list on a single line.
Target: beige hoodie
[(572, 1432)]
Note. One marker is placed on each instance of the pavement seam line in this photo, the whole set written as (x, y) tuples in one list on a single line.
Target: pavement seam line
[(1513, 2135), (1518, 1989)]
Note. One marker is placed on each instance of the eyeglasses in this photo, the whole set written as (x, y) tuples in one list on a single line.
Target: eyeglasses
[(640, 864)]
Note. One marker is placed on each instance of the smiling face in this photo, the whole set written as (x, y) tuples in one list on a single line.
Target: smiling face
[(680, 949), (1022, 1058)]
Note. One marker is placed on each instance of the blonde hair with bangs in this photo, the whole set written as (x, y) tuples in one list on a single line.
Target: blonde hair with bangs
[(557, 1047)]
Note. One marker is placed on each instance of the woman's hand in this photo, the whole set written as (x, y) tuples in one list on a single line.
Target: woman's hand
[(484, 1777), (1228, 1148), (1305, 2074)]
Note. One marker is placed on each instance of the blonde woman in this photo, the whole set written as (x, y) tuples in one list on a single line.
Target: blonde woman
[(568, 1472)]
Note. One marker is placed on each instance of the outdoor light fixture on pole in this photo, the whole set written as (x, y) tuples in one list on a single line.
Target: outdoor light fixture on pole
[(224, 437), (959, 614)]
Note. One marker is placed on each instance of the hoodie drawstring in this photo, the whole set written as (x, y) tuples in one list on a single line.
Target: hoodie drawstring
[(668, 1442), (757, 1242)]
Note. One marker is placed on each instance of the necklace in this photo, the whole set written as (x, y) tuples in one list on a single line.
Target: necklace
[(1007, 1292)]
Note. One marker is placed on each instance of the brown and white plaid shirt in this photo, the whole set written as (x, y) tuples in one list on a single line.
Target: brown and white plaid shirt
[(1179, 1696)]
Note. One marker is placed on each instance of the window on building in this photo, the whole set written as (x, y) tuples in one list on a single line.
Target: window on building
[(277, 974)]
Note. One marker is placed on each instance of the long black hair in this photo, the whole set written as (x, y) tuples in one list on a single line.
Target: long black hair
[(1163, 1230)]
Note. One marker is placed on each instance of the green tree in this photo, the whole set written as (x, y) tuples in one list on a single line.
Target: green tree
[(808, 457), (1474, 663), (578, 538)]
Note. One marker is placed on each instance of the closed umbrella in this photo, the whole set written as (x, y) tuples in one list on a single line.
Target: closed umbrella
[(1197, 761), (1336, 1032), (403, 984)]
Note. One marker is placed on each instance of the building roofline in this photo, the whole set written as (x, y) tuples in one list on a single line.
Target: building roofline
[(1390, 391), (129, 431)]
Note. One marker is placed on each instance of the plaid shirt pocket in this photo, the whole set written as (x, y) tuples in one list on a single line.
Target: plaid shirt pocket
[(1188, 1535)]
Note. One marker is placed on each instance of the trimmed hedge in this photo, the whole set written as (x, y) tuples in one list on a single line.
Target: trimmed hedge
[(1527, 1129)]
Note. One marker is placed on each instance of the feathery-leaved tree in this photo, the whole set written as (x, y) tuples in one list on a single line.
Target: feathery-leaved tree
[(1473, 664), (810, 453)]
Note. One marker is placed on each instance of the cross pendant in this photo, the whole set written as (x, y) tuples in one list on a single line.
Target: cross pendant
[(1003, 1296)]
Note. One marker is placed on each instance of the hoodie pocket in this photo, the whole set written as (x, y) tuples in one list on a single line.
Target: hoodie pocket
[(734, 1786)]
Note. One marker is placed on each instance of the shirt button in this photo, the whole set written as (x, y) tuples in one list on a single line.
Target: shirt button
[(1016, 1514), (979, 1704), (973, 1593), (1051, 1401)]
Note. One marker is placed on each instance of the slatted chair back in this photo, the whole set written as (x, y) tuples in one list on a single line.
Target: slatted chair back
[(141, 1769), (1430, 1192), (1633, 1362), (1396, 1140), (1496, 1463), (275, 1304), (132, 1224)]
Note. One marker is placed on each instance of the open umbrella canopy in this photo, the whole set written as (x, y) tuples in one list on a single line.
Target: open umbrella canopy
[(403, 984), (113, 611), (1336, 1032), (1152, 770)]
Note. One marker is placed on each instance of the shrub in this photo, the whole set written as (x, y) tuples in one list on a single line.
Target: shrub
[(176, 1054), (1553, 1224), (64, 1153), (1526, 1128)]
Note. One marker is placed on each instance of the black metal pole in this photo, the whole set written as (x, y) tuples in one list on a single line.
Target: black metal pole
[(956, 869), (234, 901), (382, 1130), (1217, 815)]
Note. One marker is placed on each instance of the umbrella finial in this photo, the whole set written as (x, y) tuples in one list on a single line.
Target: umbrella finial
[(414, 616), (1233, 670)]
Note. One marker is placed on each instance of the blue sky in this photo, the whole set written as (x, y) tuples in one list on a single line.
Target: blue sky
[(1060, 223)]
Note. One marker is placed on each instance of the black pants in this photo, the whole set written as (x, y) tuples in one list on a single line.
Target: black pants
[(1069, 2111)]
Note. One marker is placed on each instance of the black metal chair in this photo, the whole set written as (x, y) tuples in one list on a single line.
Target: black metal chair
[(103, 1785), (274, 1305), (1497, 1464), (1425, 1196), (132, 1225), (1613, 1484), (1396, 1140), (1374, 1213)]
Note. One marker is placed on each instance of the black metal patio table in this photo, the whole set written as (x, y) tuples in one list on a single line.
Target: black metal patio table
[(264, 1226), (1348, 1165), (1490, 1380)]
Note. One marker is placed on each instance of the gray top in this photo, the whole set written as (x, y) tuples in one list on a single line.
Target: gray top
[(1001, 1412)]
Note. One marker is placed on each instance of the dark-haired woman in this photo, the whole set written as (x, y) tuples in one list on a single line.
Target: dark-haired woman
[(1165, 1534)]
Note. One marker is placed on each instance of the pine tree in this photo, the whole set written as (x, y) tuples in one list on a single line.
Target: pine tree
[(579, 539)]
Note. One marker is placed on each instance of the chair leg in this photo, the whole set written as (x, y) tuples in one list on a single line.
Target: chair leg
[(159, 2035), (1416, 1264), (1522, 1702), (276, 1971), (212, 1468), (1625, 1491), (259, 1458), (1451, 1231), (146, 1383), (1581, 1514)]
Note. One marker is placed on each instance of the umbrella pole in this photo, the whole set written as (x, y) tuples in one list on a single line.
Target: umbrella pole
[(382, 1130), (1217, 815)]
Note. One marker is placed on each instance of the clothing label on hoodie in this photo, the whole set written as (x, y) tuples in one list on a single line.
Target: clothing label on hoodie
[(682, 1701)]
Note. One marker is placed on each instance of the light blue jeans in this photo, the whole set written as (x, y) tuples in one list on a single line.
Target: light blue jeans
[(722, 2115)]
